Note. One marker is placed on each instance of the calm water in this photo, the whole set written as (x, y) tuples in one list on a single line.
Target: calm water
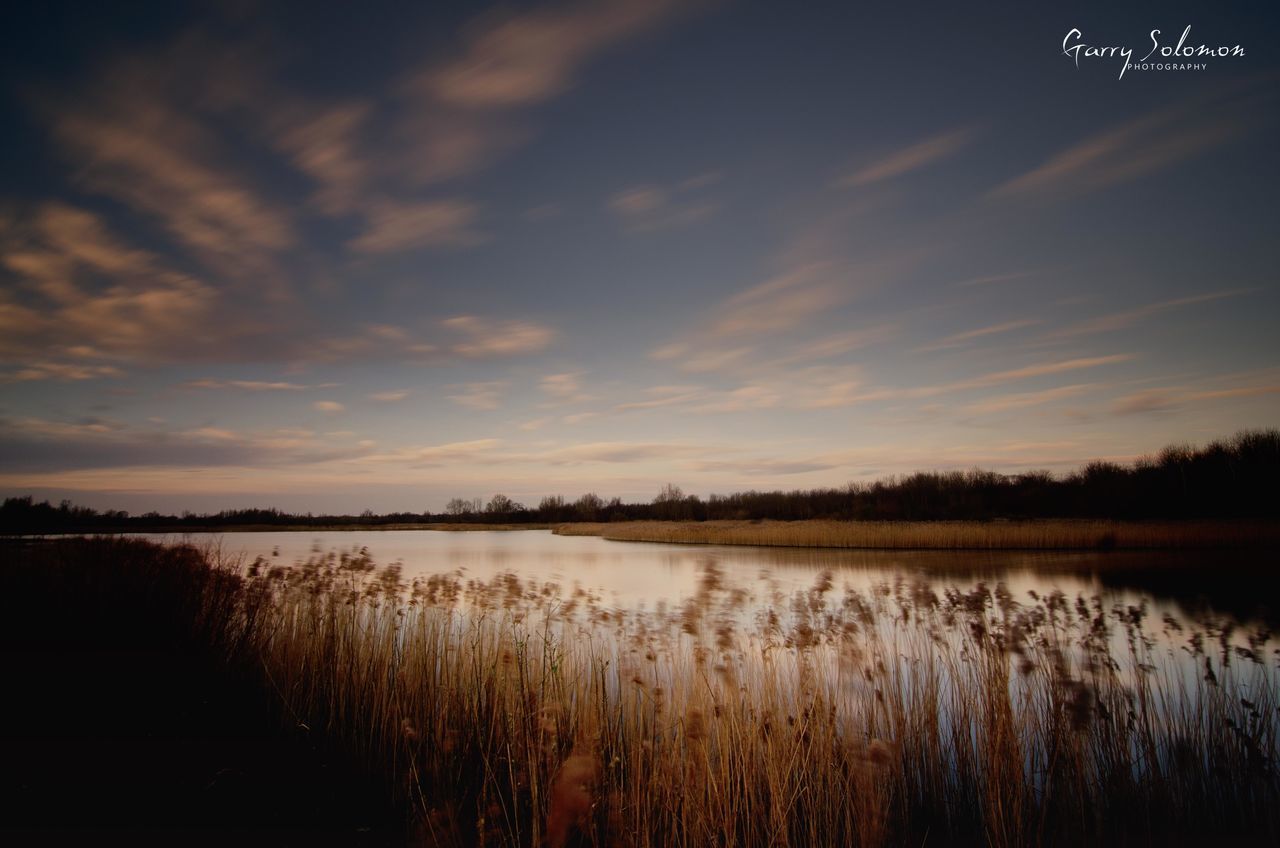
[(645, 575)]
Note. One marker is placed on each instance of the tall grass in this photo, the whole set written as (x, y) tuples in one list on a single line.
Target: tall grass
[(1048, 534), (516, 713)]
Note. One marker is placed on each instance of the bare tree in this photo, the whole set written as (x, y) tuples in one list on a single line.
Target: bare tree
[(501, 503)]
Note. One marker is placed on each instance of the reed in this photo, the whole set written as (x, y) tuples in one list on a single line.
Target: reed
[(943, 535), (511, 712), (515, 713)]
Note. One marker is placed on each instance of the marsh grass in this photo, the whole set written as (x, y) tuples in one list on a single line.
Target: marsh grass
[(944, 535), (511, 712)]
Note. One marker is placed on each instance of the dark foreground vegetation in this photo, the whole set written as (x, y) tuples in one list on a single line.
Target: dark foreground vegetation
[(158, 689), (1238, 478), (135, 712)]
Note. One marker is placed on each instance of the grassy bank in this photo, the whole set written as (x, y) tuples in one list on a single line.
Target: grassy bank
[(944, 535), (513, 713)]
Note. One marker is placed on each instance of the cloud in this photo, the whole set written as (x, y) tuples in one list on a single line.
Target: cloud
[(990, 279), (483, 337), (329, 406), (434, 455), (48, 446), (460, 337), (132, 134), (838, 344), (90, 295), (639, 200), (619, 452), (710, 359), (1004, 403), (561, 385), (781, 303), (397, 225), (480, 396), (389, 397), (810, 387), (762, 467), (525, 59), (534, 424), (60, 372), (1220, 388), (456, 116), (1039, 370), (251, 385), (912, 158), (660, 396), (1146, 145), (1145, 403), (960, 339), (563, 388), (995, 378), (1122, 320), (326, 144), (647, 208)]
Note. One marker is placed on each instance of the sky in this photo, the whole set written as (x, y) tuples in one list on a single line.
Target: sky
[(336, 257)]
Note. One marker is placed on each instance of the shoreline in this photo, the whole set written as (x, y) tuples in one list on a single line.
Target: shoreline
[(1045, 534)]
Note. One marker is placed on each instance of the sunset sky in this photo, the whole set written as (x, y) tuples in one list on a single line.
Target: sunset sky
[(380, 255)]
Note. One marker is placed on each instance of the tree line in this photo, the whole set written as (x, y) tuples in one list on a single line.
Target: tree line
[(1232, 478)]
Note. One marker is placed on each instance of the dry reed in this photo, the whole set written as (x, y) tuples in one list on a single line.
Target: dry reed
[(943, 535), (515, 713)]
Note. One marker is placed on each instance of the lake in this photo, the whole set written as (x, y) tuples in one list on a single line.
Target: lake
[(1052, 682), (1196, 587)]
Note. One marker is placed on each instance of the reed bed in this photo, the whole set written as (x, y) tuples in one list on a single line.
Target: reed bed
[(516, 713), (943, 535)]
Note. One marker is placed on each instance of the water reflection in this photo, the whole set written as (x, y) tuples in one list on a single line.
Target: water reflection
[(642, 575)]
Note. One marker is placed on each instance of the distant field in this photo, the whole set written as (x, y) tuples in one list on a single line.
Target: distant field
[(1039, 535)]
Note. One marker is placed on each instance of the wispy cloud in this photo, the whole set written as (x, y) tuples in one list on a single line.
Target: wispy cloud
[(400, 225), (839, 344), (92, 295), (781, 303), (1022, 400), (527, 58), (481, 396), (1146, 145), (619, 452), (252, 385), (1125, 319), (992, 279), (458, 115), (963, 338), (49, 446), (660, 396), (59, 371), (914, 157), (646, 208), (431, 455), (484, 337), (1216, 390), (132, 135), (563, 388), (329, 406), (983, 381)]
